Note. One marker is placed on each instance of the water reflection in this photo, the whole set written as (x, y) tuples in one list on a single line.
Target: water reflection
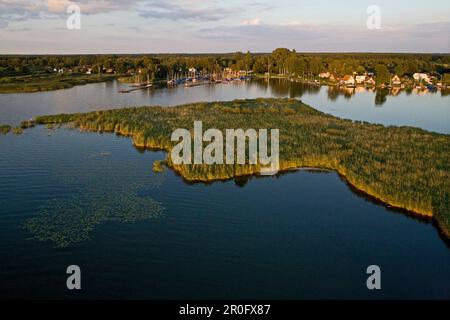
[(414, 107), (380, 96), (286, 88)]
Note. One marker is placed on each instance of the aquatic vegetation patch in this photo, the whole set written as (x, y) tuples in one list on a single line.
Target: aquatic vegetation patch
[(96, 196), (68, 221), (5, 129)]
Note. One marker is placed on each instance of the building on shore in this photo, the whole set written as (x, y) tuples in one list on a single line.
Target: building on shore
[(347, 81), (421, 77), (395, 81), (192, 72), (360, 79)]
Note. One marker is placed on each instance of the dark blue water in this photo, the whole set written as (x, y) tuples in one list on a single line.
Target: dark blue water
[(300, 235)]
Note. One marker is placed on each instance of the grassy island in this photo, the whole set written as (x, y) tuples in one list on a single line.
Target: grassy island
[(4, 129), (47, 82), (404, 167)]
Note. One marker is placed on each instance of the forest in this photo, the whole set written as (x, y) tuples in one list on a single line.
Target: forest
[(404, 167)]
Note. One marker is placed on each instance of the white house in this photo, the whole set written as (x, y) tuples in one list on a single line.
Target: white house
[(192, 72), (324, 75), (421, 77), (396, 81), (360, 79)]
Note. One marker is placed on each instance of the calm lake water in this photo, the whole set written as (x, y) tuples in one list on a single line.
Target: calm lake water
[(93, 200), (430, 111)]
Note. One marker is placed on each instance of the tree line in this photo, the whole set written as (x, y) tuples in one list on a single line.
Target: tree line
[(280, 61)]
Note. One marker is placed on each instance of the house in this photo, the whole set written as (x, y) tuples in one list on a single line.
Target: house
[(395, 81), (419, 77), (324, 75), (369, 82), (360, 79), (89, 71), (192, 72), (230, 73), (242, 73), (332, 78), (348, 81)]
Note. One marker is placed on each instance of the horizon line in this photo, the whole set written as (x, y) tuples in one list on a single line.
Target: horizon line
[(223, 53)]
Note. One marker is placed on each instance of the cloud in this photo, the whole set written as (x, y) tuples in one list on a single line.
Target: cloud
[(19, 30), (21, 10), (183, 10), (90, 6), (251, 22), (430, 37)]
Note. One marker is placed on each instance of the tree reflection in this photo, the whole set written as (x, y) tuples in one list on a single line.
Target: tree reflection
[(380, 97)]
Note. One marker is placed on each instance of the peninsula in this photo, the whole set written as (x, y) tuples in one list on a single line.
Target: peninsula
[(403, 167)]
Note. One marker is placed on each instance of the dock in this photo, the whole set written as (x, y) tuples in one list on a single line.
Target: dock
[(136, 88)]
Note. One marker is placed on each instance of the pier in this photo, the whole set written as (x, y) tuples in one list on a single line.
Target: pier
[(134, 88)]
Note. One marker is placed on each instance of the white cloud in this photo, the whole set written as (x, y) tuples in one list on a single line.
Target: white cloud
[(293, 24), (251, 22), (21, 10), (90, 6), (430, 37)]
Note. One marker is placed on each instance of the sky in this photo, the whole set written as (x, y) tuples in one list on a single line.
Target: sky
[(209, 26)]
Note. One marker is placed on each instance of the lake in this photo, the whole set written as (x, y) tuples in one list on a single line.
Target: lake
[(430, 111), (92, 200)]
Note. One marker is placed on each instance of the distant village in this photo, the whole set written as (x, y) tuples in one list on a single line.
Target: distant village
[(347, 70), (418, 81), (193, 77)]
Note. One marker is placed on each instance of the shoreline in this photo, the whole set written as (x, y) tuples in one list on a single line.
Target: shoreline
[(380, 199), (357, 186), (54, 84)]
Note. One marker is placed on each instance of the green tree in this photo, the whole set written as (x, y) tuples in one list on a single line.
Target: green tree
[(399, 70), (446, 79), (360, 70), (383, 75), (260, 65)]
